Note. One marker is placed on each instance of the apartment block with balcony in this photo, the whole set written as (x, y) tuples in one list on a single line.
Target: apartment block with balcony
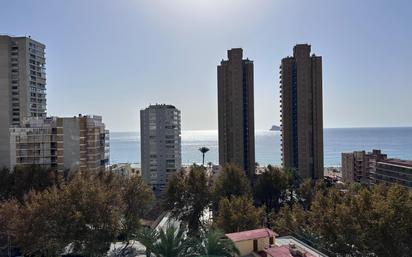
[(22, 86), (160, 135), (392, 171), (357, 166), (81, 144), (66, 144), (375, 167), (34, 143)]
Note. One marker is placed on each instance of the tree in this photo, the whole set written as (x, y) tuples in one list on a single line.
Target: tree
[(203, 150), (293, 181), (84, 214), (238, 214), (187, 196), (173, 242), (353, 221), (9, 211), (306, 192), (269, 188), (231, 181), (169, 242), (23, 179), (148, 238), (137, 198), (214, 243)]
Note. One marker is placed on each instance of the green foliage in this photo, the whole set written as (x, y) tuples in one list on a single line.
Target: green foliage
[(354, 221), (293, 181), (214, 243), (137, 198), (23, 179), (83, 215), (172, 242), (169, 242), (231, 181), (306, 192), (148, 238), (9, 211), (187, 196), (238, 214), (270, 187)]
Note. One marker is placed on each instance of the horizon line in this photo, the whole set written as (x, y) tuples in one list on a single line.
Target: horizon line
[(265, 130)]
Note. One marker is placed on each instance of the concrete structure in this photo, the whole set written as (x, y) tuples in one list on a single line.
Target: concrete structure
[(252, 240), (22, 86), (82, 144), (236, 111), (34, 143), (292, 247), (125, 169), (160, 135), (357, 165), (67, 144), (301, 112), (392, 171), (375, 167), (264, 242)]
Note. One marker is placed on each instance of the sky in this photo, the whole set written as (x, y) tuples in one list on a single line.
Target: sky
[(115, 57)]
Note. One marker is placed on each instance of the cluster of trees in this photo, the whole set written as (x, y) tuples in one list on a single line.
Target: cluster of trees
[(46, 214), (82, 214), (236, 205), (341, 220), (192, 196), (352, 221)]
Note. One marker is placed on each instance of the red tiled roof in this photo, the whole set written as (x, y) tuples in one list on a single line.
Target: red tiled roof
[(251, 234)]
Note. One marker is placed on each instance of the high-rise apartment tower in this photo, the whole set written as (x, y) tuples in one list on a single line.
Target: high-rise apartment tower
[(22, 86), (236, 111), (301, 112), (160, 136)]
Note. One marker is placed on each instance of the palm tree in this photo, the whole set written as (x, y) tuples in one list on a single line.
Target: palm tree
[(148, 238), (169, 242), (215, 244), (203, 150)]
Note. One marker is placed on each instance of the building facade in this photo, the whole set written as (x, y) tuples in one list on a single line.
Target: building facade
[(357, 166), (82, 144), (160, 142), (301, 112), (22, 86), (236, 112), (392, 171), (375, 167), (34, 143), (66, 144)]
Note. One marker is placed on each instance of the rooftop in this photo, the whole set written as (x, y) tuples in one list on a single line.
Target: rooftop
[(288, 241), (404, 163), (251, 234), (282, 251)]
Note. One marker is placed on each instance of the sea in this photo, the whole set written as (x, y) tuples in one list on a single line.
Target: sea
[(395, 142)]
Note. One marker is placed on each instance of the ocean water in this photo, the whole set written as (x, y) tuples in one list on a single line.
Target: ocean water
[(396, 142)]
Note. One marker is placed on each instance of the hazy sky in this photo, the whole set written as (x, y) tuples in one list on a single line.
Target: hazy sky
[(115, 57)]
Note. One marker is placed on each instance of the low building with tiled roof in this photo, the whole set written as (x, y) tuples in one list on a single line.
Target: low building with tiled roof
[(263, 242)]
